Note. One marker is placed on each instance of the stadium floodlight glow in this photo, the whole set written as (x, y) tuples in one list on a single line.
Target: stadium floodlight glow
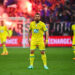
[(18, 18)]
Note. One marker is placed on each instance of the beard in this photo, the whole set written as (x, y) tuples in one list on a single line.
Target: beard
[(37, 21)]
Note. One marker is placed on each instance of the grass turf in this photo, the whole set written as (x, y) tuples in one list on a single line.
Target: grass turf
[(59, 62)]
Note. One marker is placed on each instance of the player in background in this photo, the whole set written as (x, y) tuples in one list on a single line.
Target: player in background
[(3, 37), (37, 29), (10, 33), (73, 40)]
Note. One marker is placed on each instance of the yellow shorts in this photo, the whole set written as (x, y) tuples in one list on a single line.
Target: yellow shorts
[(3, 39), (35, 44)]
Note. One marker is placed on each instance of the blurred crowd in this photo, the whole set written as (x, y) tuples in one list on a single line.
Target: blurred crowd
[(51, 11)]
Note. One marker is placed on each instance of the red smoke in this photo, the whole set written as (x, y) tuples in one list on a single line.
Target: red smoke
[(1, 10), (4, 17), (25, 5)]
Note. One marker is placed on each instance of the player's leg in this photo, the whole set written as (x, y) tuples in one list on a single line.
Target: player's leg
[(5, 52), (5, 49), (73, 47), (43, 54), (31, 59), (32, 48), (44, 59)]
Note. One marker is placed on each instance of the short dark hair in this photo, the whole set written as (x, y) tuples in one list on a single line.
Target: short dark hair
[(37, 14)]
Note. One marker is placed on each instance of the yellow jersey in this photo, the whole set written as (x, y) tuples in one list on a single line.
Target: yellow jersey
[(73, 29), (3, 31), (37, 30)]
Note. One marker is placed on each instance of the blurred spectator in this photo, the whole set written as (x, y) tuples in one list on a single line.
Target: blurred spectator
[(73, 12), (45, 14), (47, 2), (51, 11), (68, 12), (42, 13), (9, 2), (60, 12), (1, 1)]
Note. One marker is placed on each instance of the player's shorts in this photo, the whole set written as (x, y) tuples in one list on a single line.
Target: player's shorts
[(3, 39), (35, 44)]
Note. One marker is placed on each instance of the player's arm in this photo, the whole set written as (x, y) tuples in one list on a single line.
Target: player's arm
[(47, 37), (46, 32), (10, 32), (29, 36), (6, 29), (29, 33), (71, 32)]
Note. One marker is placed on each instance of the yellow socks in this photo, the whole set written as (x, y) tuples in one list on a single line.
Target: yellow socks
[(74, 52), (31, 59), (4, 49), (73, 47), (43, 56)]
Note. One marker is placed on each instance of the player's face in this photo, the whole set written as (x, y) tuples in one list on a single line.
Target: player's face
[(2, 23), (37, 17)]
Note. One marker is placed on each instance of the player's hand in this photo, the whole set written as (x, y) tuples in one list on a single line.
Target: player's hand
[(9, 37), (46, 43)]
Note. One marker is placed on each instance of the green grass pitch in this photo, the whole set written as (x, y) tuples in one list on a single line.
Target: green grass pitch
[(59, 62)]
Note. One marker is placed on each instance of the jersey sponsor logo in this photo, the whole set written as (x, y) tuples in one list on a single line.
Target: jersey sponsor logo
[(36, 30), (1, 31)]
